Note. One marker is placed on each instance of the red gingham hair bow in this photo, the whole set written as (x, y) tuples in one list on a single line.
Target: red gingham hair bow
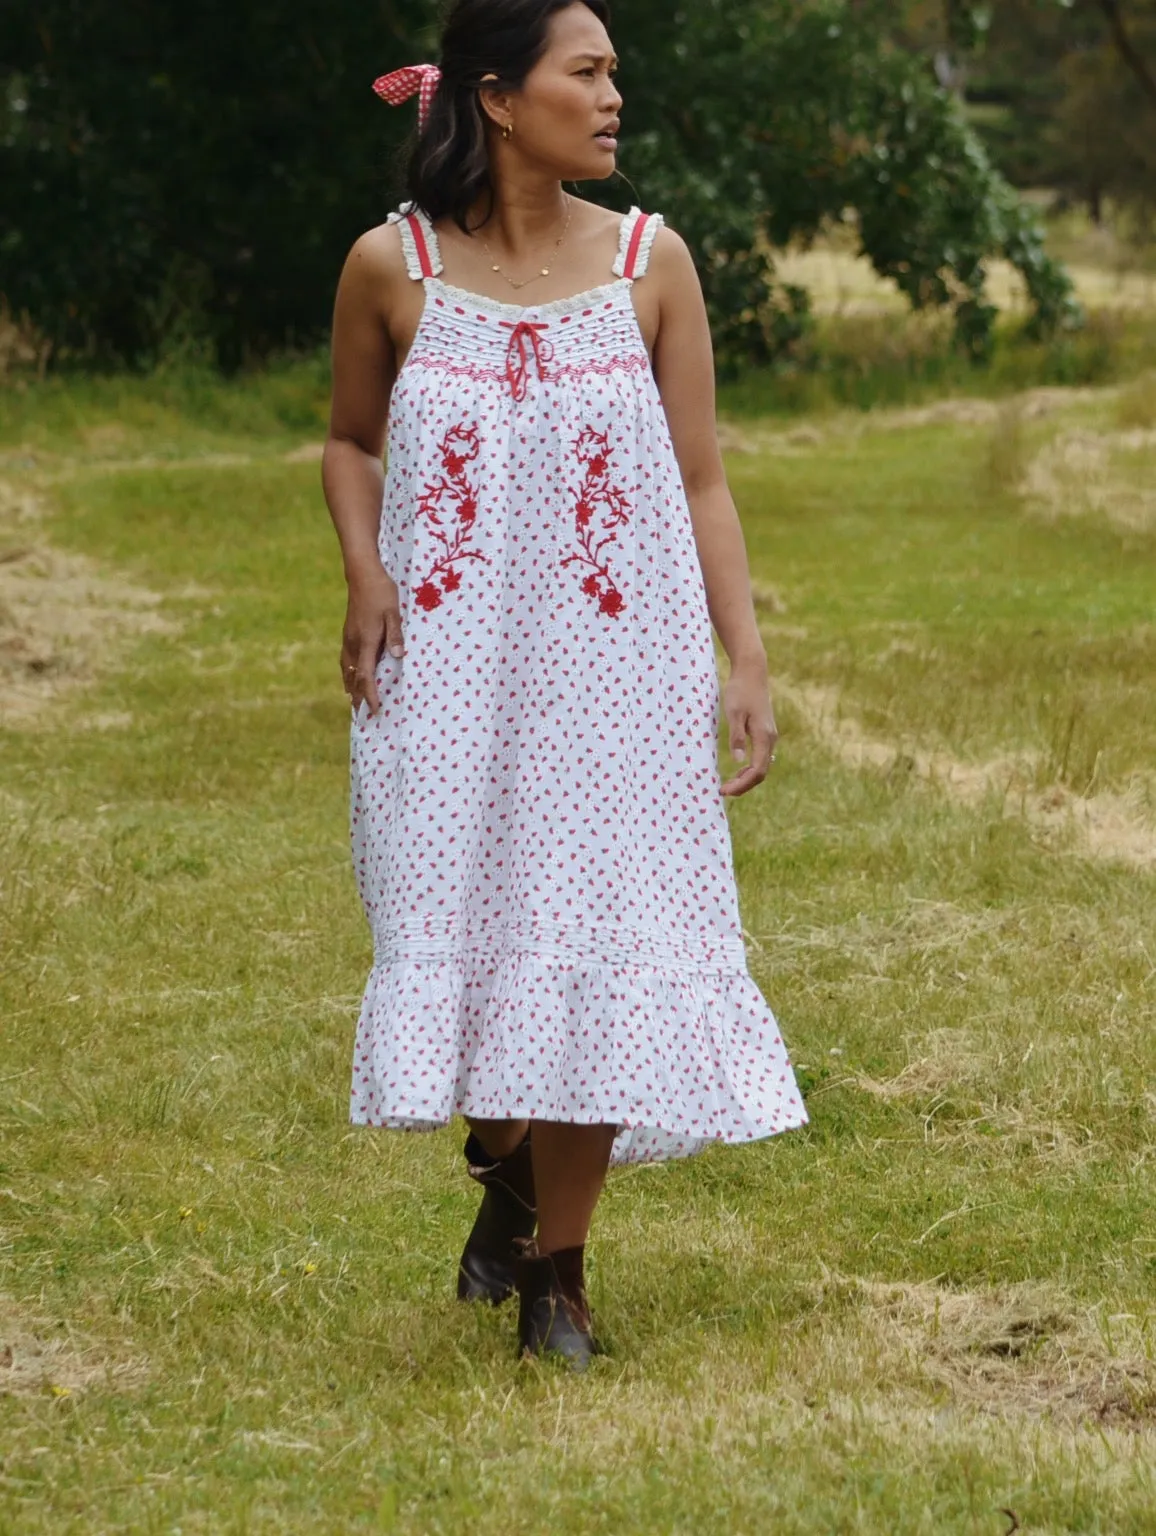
[(402, 83)]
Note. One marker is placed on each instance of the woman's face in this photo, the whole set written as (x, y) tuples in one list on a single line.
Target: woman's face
[(566, 115)]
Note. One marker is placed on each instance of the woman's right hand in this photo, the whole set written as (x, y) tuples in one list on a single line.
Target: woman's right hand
[(372, 623)]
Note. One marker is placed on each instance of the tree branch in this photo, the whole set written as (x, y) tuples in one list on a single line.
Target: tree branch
[(1126, 48)]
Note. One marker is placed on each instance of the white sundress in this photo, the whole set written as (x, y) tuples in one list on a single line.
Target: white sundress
[(538, 835)]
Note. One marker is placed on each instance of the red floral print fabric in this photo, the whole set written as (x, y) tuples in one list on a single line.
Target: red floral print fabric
[(538, 837)]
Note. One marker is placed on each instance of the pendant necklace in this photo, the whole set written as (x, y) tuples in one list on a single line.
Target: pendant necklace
[(545, 271)]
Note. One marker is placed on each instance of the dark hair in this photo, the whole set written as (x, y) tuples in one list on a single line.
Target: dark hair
[(449, 164)]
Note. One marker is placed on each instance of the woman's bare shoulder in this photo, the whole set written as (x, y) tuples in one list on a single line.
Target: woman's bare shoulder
[(376, 257), (672, 266), (669, 247)]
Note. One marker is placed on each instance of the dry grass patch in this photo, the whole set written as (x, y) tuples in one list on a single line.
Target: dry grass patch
[(974, 411), (847, 426), (1100, 474), (62, 619), (1105, 825), (952, 1059), (986, 1102), (307, 453), (1011, 1350), (89, 468), (795, 442), (923, 927), (843, 282), (767, 599), (103, 456), (883, 1356), (38, 1357), (828, 717)]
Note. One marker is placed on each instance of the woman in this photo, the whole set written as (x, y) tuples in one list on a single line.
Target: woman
[(538, 831)]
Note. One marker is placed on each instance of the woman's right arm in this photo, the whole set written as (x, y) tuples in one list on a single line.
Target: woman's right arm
[(364, 369)]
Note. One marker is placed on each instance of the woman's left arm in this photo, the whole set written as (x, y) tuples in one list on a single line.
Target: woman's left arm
[(683, 363)]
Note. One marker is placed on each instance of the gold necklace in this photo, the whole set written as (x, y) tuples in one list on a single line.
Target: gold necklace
[(545, 271)]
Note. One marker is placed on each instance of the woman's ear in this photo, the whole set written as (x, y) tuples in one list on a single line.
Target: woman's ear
[(495, 104)]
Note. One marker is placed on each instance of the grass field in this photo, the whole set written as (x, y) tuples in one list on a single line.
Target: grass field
[(932, 1311)]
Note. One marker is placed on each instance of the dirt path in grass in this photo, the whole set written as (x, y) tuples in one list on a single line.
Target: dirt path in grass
[(1102, 826)]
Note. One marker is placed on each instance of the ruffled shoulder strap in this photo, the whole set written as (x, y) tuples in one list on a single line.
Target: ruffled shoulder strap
[(423, 258), (635, 237)]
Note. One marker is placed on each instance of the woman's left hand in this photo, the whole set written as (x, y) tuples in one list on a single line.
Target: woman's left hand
[(751, 720)]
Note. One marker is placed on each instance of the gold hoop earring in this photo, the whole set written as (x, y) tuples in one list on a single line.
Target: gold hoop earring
[(507, 131)]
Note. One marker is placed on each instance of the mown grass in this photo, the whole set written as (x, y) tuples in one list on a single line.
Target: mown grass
[(229, 1312), (960, 618), (856, 361)]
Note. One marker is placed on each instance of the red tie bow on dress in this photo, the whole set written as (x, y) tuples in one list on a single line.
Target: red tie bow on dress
[(403, 83), (517, 354)]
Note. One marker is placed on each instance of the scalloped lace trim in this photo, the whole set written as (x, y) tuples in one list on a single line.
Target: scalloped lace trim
[(625, 230), (551, 307), (625, 233), (653, 224)]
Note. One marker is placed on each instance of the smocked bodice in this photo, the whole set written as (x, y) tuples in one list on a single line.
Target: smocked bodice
[(548, 412), (543, 345), (521, 348)]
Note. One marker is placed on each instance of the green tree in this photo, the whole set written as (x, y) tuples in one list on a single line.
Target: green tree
[(199, 171), (1062, 91), (787, 115), (194, 169)]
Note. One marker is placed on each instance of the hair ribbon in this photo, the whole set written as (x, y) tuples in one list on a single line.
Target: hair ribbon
[(411, 79)]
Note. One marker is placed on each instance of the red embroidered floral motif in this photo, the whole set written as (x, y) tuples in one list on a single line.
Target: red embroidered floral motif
[(599, 508), (451, 506)]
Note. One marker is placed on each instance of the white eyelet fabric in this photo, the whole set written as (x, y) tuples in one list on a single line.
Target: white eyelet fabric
[(538, 836)]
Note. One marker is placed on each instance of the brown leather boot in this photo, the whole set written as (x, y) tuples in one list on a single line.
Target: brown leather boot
[(506, 1218), (553, 1308)]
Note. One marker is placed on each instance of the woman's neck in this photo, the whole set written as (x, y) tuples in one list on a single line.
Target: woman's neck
[(523, 215)]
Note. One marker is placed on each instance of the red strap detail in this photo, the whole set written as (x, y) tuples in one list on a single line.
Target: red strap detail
[(419, 240), (635, 242)]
